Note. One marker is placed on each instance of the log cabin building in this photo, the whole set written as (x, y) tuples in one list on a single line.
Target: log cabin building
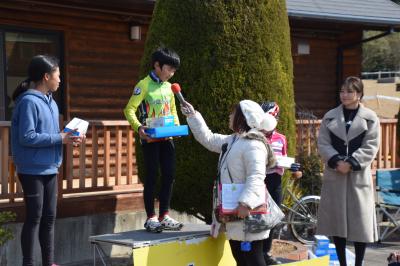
[(100, 56), (327, 38), (100, 44)]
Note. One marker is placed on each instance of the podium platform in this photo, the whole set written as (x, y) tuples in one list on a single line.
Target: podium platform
[(190, 244), (142, 238)]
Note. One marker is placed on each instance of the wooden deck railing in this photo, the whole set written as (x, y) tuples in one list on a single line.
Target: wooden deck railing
[(106, 163), (307, 131)]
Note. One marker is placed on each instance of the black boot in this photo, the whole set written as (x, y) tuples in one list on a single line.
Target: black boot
[(270, 260)]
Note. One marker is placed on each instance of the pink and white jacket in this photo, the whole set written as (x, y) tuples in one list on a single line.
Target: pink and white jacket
[(279, 146)]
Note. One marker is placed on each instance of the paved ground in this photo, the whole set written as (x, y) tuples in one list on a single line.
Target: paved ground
[(376, 254)]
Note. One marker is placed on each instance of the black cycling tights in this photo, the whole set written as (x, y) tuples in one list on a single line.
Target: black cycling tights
[(40, 196), (158, 155), (340, 243)]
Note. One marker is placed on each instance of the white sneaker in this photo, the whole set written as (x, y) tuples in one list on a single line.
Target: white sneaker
[(169, 223), (153, 225)]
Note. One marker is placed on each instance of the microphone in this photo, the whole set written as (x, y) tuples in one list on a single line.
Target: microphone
[(176, 89)]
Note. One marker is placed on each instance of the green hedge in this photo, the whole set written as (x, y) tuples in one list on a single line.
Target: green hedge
[(230, 50)]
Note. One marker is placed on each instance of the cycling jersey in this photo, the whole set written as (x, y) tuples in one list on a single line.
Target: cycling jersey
[(279, 146), (154, 98)]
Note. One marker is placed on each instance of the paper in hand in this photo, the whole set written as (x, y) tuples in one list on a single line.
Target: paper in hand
[(80, 125), (284, 161)]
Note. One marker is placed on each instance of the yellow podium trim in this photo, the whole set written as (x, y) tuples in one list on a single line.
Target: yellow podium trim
[(203, 251)]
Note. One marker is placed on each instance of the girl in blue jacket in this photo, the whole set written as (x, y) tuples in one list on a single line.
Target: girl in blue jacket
[(36, 144)]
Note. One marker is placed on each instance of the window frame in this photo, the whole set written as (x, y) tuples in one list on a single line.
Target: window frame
[(58, 36)]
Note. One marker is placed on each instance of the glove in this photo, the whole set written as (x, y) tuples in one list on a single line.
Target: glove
[(294, 167), (187, 109)]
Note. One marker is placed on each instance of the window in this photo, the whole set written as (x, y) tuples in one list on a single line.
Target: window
[(17, 47)]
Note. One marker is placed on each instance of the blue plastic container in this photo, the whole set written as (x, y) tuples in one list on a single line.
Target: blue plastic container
[(319, 252), (165, 132), (321, 241)]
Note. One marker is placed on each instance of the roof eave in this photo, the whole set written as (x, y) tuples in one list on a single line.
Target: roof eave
[(372, 21)]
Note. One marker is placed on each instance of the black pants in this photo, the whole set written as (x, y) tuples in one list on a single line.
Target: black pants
[(274, 185), (254, 257), (359, 247), (158, 154), (40, 195)]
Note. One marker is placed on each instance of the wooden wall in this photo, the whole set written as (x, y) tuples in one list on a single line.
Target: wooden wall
[(315, 74), (101, 62), (352, 56)]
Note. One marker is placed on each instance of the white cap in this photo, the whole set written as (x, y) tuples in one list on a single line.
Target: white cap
[(269, 122), (255, 116)]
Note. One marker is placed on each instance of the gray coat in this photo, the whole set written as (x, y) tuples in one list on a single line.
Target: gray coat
[(347, 207)]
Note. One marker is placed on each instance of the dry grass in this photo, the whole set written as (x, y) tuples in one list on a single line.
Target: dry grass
[(384, 108)]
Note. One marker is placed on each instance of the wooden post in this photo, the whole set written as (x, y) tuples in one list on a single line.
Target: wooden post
[(69, 166), (379, 156), (394, 145), (82, 165), (106, 156), (386, 146), (118, 156), (95, 156), (4, 159), (129, 152), (12, 181)]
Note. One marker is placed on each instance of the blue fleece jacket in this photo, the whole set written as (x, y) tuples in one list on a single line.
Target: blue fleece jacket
[(36, 142)]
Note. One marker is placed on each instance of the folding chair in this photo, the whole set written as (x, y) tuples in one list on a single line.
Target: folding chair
[(387, 202)]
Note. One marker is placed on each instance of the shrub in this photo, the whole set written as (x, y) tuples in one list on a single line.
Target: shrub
[(5, 233), (230, 50), (307, 154)]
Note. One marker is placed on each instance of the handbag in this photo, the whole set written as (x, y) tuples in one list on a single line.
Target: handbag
[(256, 223)]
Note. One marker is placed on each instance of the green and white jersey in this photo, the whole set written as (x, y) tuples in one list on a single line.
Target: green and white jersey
[(153, 98)]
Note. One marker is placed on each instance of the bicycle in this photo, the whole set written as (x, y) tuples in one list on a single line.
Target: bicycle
[(301, 217)]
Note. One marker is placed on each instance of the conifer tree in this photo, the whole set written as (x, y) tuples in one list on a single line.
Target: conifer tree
[(230, 51)]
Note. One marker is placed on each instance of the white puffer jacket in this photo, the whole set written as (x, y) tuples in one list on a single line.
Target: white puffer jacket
[(246, 160)]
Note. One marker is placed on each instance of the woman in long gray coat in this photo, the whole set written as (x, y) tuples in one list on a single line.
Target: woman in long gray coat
[(348, 142)]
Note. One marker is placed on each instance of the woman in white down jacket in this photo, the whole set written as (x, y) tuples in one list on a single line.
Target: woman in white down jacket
[(244, 162)]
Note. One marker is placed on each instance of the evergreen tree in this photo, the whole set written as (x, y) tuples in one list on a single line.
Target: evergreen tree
[(230, 50), (381, 54)]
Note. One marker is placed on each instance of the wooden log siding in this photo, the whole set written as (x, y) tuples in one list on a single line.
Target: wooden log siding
[(100, 61), (315, 86), (315, 82)]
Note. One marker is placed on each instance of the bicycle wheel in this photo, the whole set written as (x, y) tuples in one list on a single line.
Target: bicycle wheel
[(303, 219)]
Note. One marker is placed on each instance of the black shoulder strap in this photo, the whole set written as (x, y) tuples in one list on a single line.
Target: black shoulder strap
[(222, 158)]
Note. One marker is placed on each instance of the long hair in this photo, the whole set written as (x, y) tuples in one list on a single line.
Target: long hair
[(38, 67), (239, 123)]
